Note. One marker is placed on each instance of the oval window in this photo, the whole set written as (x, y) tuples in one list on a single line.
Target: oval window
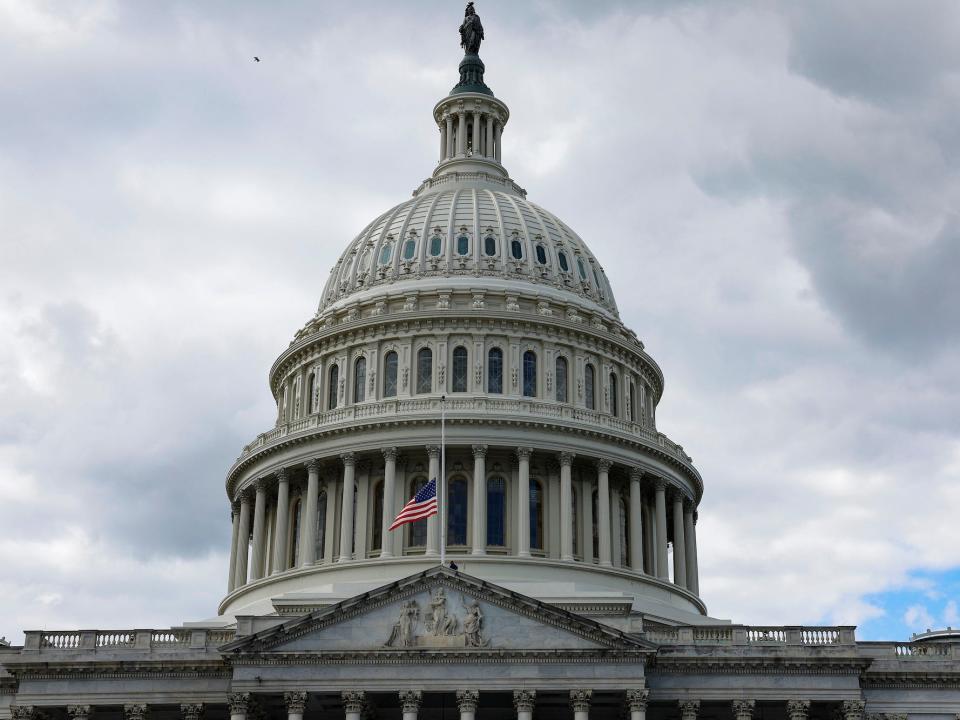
[(516, 249), (463, 245), (385, 252), (436, 245), (562, 259), (581, 269), (541, 255), (490, 246), (596, 278), (409, 248)]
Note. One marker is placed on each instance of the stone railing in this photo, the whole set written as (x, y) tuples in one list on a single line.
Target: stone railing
[(752, 635), (933, 652), (112, 640)]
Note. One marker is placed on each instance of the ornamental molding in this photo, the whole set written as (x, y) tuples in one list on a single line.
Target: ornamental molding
[(769, 665), (913, 680), (580, 700)]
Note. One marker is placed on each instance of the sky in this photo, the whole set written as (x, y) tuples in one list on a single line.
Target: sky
[(771, 187)]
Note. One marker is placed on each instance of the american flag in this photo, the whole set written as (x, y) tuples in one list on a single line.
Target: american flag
[(422, 505)]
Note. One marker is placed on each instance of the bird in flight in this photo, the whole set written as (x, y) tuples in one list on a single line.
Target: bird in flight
[(256, 59)]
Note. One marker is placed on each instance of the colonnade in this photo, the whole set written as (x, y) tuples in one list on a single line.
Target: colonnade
[(587, 509), (466, 132)]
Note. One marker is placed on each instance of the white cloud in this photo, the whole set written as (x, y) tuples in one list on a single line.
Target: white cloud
[(951, 615), (918, 618)]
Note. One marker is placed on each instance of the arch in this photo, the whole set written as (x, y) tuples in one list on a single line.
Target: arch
[(321, 520), (456, 502), (536, 515), (360, 379), (376, 541), (496, 511), (332, 386), (417, 531), (495, 371), (529, 374), (588, 394), (391, 362), (614, 405), (561, 382), (461, 371), (424, 370)]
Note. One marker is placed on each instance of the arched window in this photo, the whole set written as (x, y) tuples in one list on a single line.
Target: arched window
[(386, 252), (516, 248), (633, 402), (489, 246), (541, 255), (613, 395), (561, 372), (333, 387), (588, 386), (624, 531), (436, 245), (292, 561), (574, 519), (496, 511), (536, 515), (581, 269), (390, 362), (463, 244), (562, 259), (424, 370), (460, 371), (359, 379), (456, 503), (595, 524), (495, 370), (321, 524), (409, 249), (529, 374), (377, 540), (417, 531)]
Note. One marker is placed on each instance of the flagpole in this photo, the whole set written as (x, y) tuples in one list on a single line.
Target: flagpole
[(442, 484)]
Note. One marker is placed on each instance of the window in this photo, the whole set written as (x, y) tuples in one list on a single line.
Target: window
[(588, 386), (359, 379), (377, 540), (562, 259), (311, 391), (295, 539), (489, 246), (596, 279), (541, 255), (390, 362), (424, 370), (536, 515), (332, 387), (417, 531), (529, 374), (321, 523), (436, 245), (496, 511), (632, 409), (516, 248), (409, 249), (459, 376), (561, 379), (456, 502), (613, 395), (581, 269), (463, 244), (495, 371), (386, 252)]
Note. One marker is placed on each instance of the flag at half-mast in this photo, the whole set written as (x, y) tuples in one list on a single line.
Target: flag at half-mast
[(422, 505)]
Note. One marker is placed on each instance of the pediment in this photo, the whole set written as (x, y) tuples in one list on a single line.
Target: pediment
[(438, 609)]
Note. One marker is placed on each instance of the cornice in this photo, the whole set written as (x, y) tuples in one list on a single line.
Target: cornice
[(769, 665), (912, 679), (445, 657)]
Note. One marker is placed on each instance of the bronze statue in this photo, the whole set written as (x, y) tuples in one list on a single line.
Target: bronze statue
[(471, 31)]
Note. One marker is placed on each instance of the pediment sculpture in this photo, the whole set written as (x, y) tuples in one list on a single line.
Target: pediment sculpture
[(440, 628)]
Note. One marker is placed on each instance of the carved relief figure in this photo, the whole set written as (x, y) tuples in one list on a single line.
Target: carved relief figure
[(403, 632), (440, 623), (472, 625)]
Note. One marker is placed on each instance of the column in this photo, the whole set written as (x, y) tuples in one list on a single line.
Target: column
[(82, 712), (330, 522), (476, 133), (580, 703), (234, 535), (443, 141), (489, 147), (296, 702), (649, 539), (433, 525), (798, 709), (389, 488), (346, 507), (283, 517), (243, 542), (679, 546), (661, 511), (188, 711), (689, 709), (586, 496), (467, 703), (479, 500), (523, 702), (308, 519), (461, 133), (566, 506), (135, 711), (360, 510), (742, 709), (259, 530), (410, 703), (523, 502), (238, 703), (496, 139), (449, 137), (603, 511), (23, 712), (852, 709), (636, 521), (354, 702), (637, 703), (689, 538)]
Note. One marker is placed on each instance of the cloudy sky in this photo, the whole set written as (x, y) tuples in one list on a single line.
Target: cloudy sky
[(772, 188)]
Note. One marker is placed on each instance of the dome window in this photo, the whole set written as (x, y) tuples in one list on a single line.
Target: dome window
[(436, 245), (541, 255), (561, 370), (332, 387), (562, 259), (613, 395), (516, 248), (588, 378), (489, 246), (495, 371), (360, 379), (496, 511), (596, 279), (409, 249), (529, 374), (386, 252), (390, 363), (460, 370), (581, 269), (463, 244), (425, 370)]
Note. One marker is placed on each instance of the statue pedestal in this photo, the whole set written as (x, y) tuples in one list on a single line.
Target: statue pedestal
[(471, 76)]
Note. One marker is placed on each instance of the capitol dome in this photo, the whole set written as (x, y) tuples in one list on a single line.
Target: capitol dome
[(471, 308)]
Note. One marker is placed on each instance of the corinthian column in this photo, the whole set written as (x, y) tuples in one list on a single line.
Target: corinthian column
[(346, 503), (603, 511), (308, 522), (637, 703), (283, 517), (523, 502), (296, 702), (389, 486), (479, 500), (580, 703), (690, 537), (852, 709), (353, 703), (449, 137), (742, 709), (238, 703), (461, 133), (410, 703), (798, 709), (259, 529), (689, 709), (679, 546), (661, 511), (566, 506), (467, 703), (188, 711), (476, 133), (243, 541), (78, 712), (524, 701), (636, 521), (135, 711), (234, 537), (433, 526)]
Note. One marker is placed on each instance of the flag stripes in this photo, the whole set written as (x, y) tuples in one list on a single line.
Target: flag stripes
[(422, 505)]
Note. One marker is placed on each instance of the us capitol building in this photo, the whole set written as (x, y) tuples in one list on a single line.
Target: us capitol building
[(572, 520)]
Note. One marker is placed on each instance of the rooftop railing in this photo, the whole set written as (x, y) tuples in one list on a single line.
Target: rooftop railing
[(760, 635), (114, 640)]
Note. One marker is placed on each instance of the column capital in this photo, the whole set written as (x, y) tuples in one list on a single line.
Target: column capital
[(479, 451), (566, 459), (677, 495), (191, 711), (433, 451), (743, 709), (238, 703), (283, 475), (78, 712), (689, 505), (580, 700), (295, 700), (524, 453), (798, 709), (637, 699), (636, 474), (262, 484), (22, 712), (524, 700), (467, 700), (135, 711), (604, 465), (313, 466), (348, 458), (390, 453), (852, 709), (689, 709), (234, 508), (660, 484), (410, 700), (353, 700)]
